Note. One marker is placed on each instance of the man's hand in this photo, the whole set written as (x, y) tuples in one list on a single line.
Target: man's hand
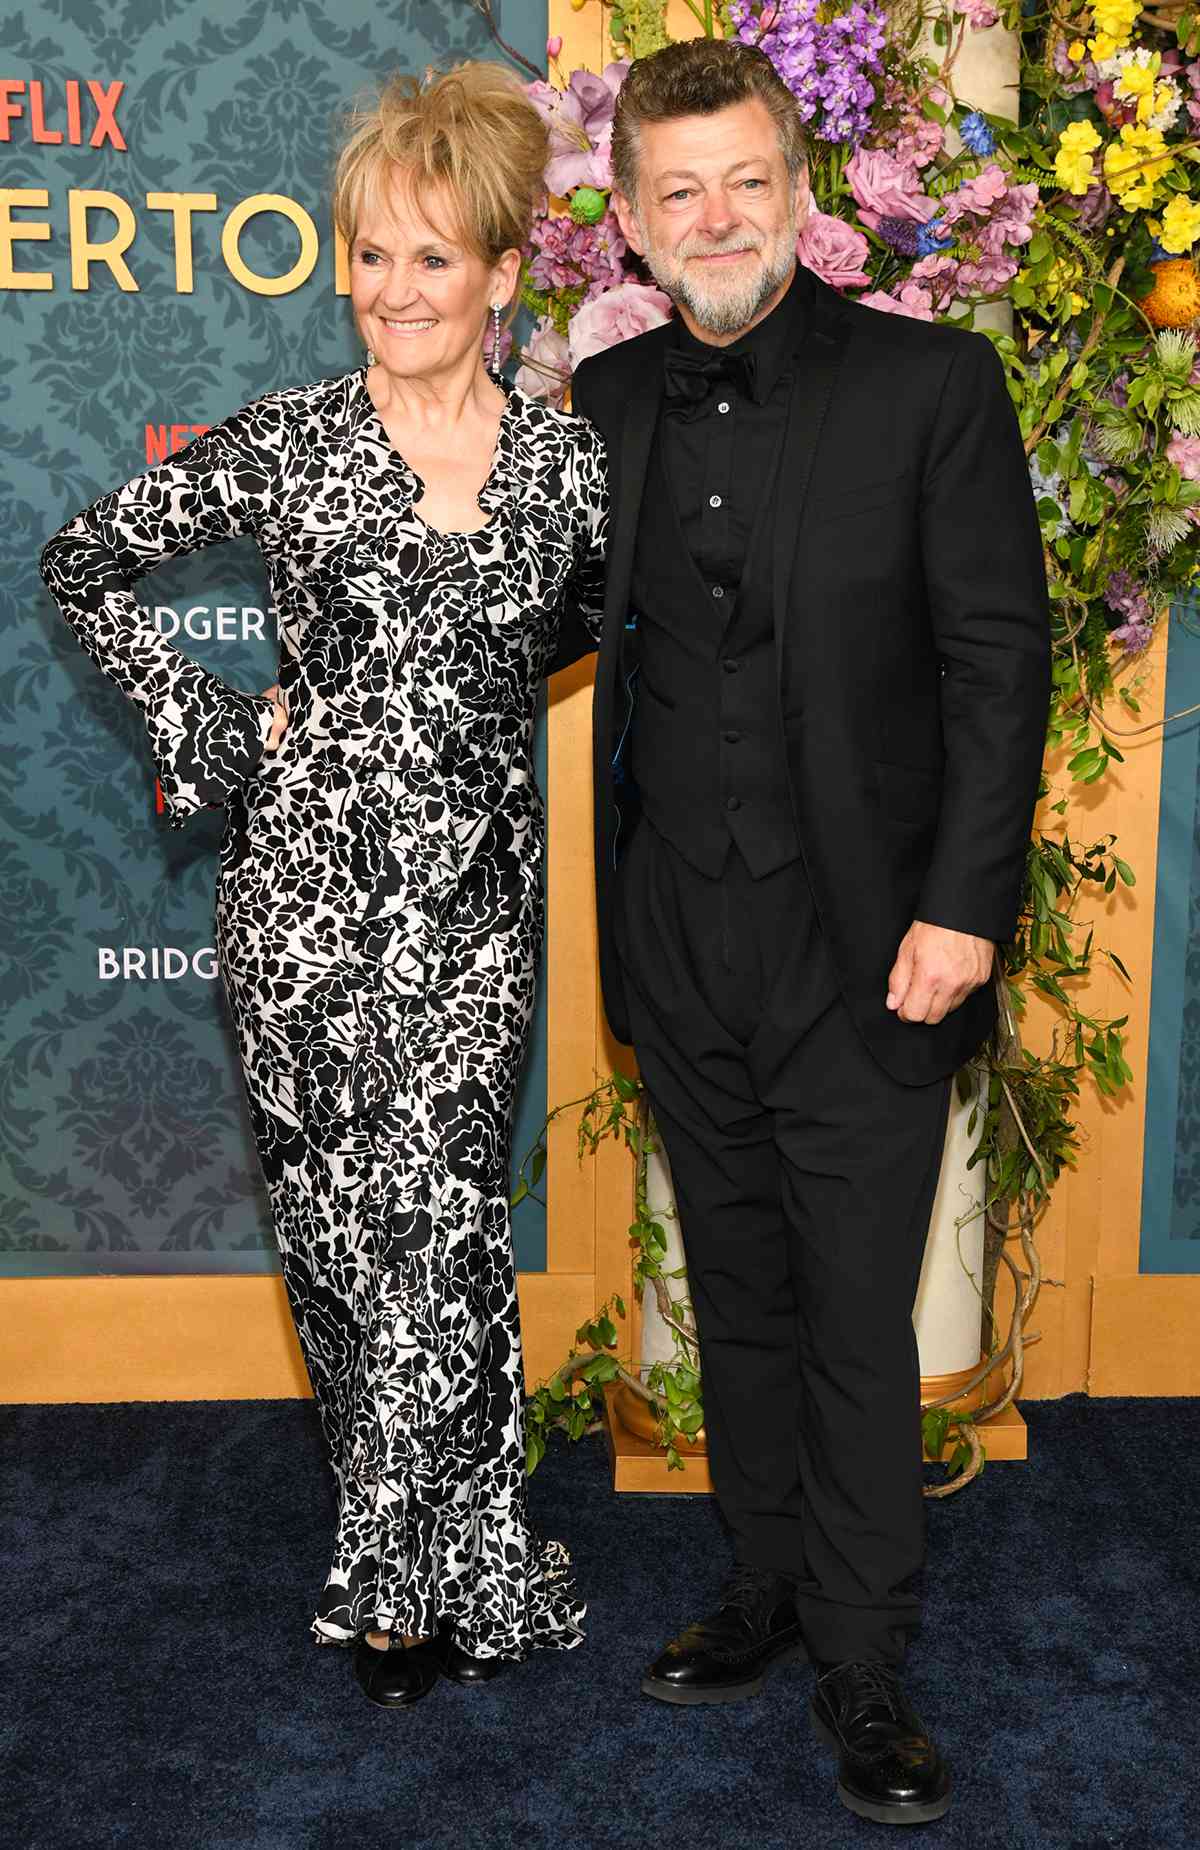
[(936, 970)]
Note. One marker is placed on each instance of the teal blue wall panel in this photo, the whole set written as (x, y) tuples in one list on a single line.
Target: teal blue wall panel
[(1171, 1183), (123, 1140)]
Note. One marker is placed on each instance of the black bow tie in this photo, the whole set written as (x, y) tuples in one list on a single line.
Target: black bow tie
[(690, 377)]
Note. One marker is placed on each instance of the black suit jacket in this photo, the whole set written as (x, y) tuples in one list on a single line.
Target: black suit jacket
[(912, 642)]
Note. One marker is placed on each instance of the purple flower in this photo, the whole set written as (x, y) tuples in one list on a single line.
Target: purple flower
[(1094, 207), (580, 122), (564, 255), (1124, 595), (901, 234), (829, 64), (976, 132)]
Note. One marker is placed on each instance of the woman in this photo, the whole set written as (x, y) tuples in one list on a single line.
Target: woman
[(379, 911)]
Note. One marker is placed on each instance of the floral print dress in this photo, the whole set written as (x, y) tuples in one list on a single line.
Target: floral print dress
[(379, 919)]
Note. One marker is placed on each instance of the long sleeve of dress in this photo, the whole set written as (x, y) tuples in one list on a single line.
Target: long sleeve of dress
[(206, 737), (583, 593)]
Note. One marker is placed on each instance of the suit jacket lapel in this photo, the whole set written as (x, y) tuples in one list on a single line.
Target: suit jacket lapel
[(641, 416), (822, 346), (627, 481)]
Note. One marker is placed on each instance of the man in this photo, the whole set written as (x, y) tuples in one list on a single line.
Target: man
[(819, 718)]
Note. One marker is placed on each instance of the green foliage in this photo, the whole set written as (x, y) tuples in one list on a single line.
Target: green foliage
[(936, 1426)]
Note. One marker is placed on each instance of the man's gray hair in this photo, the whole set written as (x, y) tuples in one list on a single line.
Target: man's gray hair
[(696, 78)]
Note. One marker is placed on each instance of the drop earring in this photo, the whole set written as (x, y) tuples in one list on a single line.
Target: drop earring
[(496, 338), (370, 356)]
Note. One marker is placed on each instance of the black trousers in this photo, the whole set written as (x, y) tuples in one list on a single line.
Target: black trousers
[(804, 1179)]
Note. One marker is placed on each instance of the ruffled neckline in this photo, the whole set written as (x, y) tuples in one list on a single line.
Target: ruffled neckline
[(501, 484)]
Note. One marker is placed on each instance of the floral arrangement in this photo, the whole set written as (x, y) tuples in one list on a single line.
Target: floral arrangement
[(1069, 232), (1079, 218)]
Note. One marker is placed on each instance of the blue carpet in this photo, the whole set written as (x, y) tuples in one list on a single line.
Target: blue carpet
[(160, 1563)]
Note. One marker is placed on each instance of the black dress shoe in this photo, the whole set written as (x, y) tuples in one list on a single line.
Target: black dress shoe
[(460, 1666), (396, 1677), (888, 1768), (726, 1657)]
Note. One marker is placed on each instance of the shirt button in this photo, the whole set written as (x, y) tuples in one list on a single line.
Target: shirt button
[(714, 501), (730, 666), (723, 406), (718, 590), (733, 802), (732, 738)]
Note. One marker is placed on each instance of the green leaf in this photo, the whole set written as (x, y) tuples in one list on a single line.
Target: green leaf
[(934, 1426), (1126, 872), (537, 1167)]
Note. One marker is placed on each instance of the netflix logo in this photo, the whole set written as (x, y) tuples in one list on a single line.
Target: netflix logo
[(86, 110), (163, 440)]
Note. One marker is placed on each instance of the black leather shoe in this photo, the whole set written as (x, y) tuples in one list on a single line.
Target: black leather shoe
[(726, 1657), (888, 1768), (460, 1666), (396, 1677)]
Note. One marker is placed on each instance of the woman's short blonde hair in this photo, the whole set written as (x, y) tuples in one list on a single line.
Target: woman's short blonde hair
[(470, 132)]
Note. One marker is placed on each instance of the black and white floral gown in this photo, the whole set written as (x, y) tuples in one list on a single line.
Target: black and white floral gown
[(379, 918)]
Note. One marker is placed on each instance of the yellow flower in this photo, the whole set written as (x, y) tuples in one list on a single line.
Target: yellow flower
[(1116, 18), (1180, 224), (1073, 162), (1138, 80), (1077, 303), (1133, 165), (1102, 47), (1062, 274), (1076, 51)]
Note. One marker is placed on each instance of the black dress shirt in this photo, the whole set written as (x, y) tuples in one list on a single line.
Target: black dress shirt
[(720, 455)]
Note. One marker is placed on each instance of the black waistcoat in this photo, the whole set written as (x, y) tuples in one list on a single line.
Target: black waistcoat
[(706, 748)]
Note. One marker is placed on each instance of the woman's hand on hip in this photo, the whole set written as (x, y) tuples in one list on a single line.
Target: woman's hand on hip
[(279, 722)]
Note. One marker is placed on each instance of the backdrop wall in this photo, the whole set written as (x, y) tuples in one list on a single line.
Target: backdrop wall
[(165, 256), (235, 101)]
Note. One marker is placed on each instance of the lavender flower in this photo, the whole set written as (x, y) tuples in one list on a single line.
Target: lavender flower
[(1124, 595), (829, 64), (901, 234)]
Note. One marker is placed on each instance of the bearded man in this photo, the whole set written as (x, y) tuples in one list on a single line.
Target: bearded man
[(820, 712)]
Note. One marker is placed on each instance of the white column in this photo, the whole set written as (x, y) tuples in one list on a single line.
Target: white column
[(948, 1316)]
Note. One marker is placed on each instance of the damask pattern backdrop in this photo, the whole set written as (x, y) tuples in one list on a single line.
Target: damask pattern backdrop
[(142, 298)]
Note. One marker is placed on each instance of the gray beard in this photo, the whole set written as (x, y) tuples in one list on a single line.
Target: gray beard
[(729, 312)]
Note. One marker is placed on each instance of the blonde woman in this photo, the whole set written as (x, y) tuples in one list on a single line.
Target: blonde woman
[(379, 911)]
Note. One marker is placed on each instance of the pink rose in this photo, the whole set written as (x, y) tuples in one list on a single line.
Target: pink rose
[(617, 315), (1184, 452), (834, 251), (545, 365), (912, 302), (885, 189)]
